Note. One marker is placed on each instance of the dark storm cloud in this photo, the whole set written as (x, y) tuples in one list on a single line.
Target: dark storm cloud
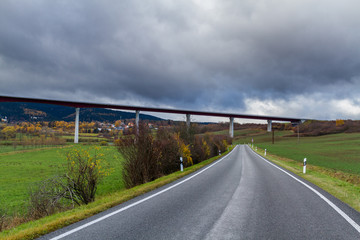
[(189, 54)]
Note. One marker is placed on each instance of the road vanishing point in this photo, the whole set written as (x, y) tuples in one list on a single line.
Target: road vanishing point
[(240, 196)]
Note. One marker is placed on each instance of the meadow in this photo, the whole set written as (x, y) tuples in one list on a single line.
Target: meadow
[(24, 166), (328, 156), (334, 151), (20, 170)]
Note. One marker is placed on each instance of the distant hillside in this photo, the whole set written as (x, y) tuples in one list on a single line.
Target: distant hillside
[(318, 128), (47, 112)]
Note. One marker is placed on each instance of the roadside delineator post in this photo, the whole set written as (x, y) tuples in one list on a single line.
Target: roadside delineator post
[(304, 167), (219, 153), (265, 152), (181, 164)]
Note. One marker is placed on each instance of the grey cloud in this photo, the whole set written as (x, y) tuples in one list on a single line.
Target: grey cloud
[(188, 54)]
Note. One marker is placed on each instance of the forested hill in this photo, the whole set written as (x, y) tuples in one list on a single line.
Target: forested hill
[(47, 112)]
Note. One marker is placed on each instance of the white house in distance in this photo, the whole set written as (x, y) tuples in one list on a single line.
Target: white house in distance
[(4, 119)]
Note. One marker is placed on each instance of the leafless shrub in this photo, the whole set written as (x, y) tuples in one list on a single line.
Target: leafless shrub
[(3, 219), (141, 157), (169, 147), (50, 196), (9, 221), (78, 185), (187, 134), (201, 149)]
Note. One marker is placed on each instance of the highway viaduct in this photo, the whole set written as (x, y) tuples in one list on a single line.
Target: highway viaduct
[(138, 109)]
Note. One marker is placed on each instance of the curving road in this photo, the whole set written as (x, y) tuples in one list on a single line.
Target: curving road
[(241, 196)]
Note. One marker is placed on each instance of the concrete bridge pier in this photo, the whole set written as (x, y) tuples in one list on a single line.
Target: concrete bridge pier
[(231, 130), (188, 121), (269, 127), (76, 137), (137, 121)]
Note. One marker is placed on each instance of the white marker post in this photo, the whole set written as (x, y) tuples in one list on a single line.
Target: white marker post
[(255, 148), (219, 153), (181, 164), (304, 168), (265, 152)]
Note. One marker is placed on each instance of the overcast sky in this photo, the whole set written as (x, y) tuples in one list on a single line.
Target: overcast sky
[(295, 58)]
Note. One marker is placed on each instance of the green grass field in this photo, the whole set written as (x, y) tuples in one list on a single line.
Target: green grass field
[(85, 136), (9, 149), (37, 228), (333, 161), (237, 133), (19, 171), (8, 145), (335, 151), (340, 153)]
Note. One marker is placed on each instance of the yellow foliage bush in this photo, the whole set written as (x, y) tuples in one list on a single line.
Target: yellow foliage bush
[(184, 149), (225, 144), (85, 170), (339, 122), (206, 149), (186, 153)]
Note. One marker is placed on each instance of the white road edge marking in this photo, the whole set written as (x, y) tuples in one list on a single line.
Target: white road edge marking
[(140, 201), (336, 208)]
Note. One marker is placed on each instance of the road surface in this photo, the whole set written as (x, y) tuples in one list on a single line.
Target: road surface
[(241, 196)]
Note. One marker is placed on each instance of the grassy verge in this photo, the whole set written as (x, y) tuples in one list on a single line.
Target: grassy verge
[(344, 186), (46, 225)]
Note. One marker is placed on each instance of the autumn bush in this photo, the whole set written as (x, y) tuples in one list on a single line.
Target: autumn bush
[(220, 143), (169, 158), (206, 146), (8, 132), (85, 169), (78, 185), (148, 156), (185, 133), (141, 157), (201, 149)]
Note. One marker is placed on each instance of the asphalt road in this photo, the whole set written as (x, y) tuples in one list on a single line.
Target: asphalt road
[(241, 196)]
